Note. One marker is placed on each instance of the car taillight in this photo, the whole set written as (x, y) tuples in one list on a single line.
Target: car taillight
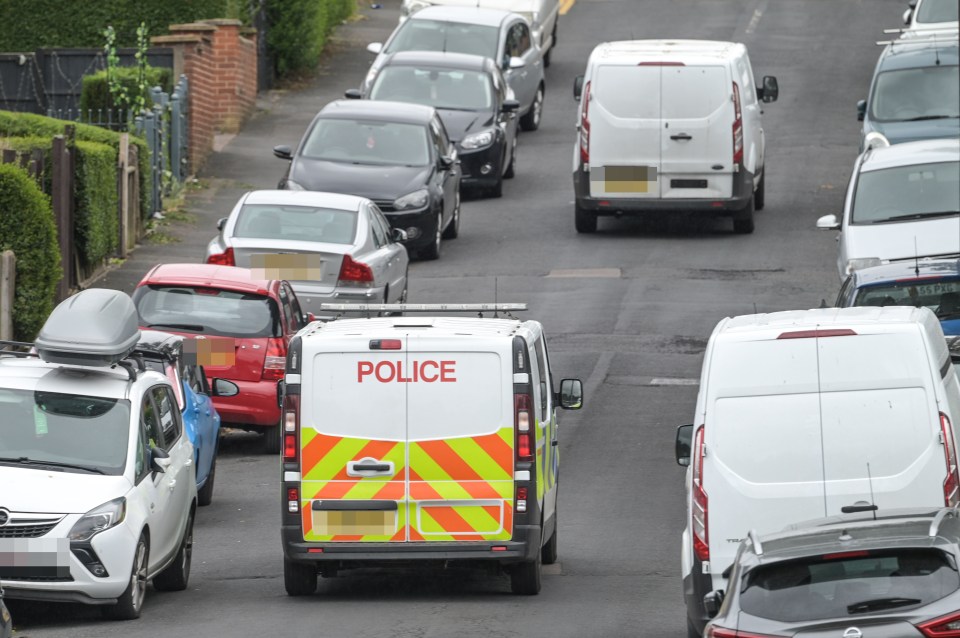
[(523, 416), (291, 427), (701, 537), (585, 125), (293, 500), (942, 627), (354, 273), (951, 485), (721, 632), (223, 259), (737, 127), (275, 361)]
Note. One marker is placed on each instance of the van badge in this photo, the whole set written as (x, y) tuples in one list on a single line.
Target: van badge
[(853, 632)]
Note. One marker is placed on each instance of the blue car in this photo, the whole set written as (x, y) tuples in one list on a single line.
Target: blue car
[(163, 352), (934, 283)]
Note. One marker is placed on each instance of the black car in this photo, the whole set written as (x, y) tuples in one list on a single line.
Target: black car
[(396, 154), (473, 100)]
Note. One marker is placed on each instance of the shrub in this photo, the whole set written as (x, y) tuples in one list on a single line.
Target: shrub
[(27, 228), (299, 28), (95, 93)]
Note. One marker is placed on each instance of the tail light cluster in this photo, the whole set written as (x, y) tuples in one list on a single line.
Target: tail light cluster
[(293, 500), (720, 632), (943, 627), (737, 127), (585, 125), (223, 259), (291, 428), (275, 360), (354, 273), (522, 422), (951, 485), (701, 537)]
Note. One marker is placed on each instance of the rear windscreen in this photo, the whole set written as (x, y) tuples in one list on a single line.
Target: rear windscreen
[(628, 91), (211, 311), (942, 296), (850, 584), (938, 11), (296, 223), (693, 92)]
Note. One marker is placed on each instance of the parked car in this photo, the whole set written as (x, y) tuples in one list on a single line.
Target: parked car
[(501, 35), (399, 156), (163, 352), (242, 325), (933, 283), (541, 14), (472, 99), (6, 622), (925, 15), (95, 445), (670, 125), (915, 91), (902, 203), (874, 573)]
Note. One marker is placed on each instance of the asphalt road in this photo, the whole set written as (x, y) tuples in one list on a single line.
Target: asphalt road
[(632, 323)]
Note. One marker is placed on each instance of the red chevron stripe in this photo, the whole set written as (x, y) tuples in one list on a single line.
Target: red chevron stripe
[(375, 449), (346, 537), (307, 517), (451, 462), (498, 450), (448, 519), (315, 450)]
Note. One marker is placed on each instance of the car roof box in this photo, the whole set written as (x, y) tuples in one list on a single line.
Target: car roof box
[(95, 327)]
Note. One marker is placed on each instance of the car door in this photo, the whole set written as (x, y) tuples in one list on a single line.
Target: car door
[(157, 492), (206, 419), (398, 260), (180, 478), (449, 177), (524, 80)]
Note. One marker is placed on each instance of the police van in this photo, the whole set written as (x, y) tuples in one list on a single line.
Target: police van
[(415, 438)]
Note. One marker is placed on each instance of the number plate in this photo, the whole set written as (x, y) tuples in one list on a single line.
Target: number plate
[(625, 179), (354, 522), (34, 558)]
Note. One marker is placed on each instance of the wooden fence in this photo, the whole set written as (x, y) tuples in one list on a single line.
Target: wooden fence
[(8, 273)]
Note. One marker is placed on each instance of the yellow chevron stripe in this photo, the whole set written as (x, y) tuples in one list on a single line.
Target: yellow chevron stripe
[(477, 458)]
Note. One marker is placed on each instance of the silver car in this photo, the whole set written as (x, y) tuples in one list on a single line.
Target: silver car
[(330, 247)]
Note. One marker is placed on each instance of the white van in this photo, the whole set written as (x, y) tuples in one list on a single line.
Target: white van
[(805, 414), (421, 439), (669, 125)]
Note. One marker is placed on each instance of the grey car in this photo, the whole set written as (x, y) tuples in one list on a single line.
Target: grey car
[(332, 248), (501, 35), (865, 574)]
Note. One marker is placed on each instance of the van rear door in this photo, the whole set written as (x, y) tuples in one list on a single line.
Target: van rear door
[(696, 153)]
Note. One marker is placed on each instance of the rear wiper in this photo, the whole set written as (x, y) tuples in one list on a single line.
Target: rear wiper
[(23, 460), (881, 603), (177, 326), (930, 117), (900, 218)]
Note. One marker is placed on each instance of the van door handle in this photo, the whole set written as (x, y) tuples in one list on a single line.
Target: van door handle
[(371, 467), (680, 136)]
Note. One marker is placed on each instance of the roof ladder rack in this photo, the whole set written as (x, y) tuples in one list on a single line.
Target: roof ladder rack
[(939, 518), (478, 308)]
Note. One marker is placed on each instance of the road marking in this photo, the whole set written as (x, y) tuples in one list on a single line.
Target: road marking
[(755, 20), (606, 273), (566, 5), (673, 381)]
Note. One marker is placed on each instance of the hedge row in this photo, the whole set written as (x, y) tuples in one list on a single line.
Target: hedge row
[(95, 92), (27, 228), (299, 29)]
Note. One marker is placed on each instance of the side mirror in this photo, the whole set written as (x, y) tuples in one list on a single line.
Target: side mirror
[(309, 317), (684, 441), (828, 222), (516, 63), (577, 87), (906, 16), (712, 602), (224, 388), (771, 90), (861, 110), (283, 152), (398, 234), (221, 223), (375, 47), (446, 162), (571, 394), (510, 106), (159, 460), (353, 94)]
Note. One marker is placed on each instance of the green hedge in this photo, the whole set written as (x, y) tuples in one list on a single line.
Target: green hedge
[(27, 228), (95, 93), (299, 29)]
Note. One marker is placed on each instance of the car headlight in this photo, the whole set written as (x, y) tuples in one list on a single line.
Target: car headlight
[(108, 515), (416, 199), (861, 263), (412, 6), (291, 185), (478, 140)]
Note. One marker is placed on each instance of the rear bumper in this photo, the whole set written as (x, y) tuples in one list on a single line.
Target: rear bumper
[(310, 301), (255, 404)]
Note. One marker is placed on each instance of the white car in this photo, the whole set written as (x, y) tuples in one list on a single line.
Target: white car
[(106, 487), (541, 14), (902, 203), (931, 14)]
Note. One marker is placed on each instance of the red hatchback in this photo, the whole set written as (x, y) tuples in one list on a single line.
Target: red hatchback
[(242, 327)]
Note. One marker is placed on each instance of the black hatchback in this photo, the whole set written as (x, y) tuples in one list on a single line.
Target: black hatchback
[(473, 100)]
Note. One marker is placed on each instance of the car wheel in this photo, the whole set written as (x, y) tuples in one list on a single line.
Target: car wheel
[(585, 221), (432, 251), (549, 552), (743, 221), (130, 602), (525, 577), (531, 121), (512, 168), (176, 576), (453, 229), (272, 436), (299, 579), (758, 195), (691, 630), (205, 493)]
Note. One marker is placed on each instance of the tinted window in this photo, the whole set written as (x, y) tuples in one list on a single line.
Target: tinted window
[(924, 189), (296, 223), (440, 88), (916, 94), (208, 310), (150, 421), (365, 142), (939, 295), (848, 586), (628, 91), (453, 37), (168, 416), (938, 11), (90, 432)]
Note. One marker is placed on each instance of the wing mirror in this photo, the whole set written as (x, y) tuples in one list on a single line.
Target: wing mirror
[(510, 106), (159, 460), (309, 317), (828, 222), (224, 388), (861, 110), (770, 91), (571, 394), (712, 602), (398, 234), (221, 223), (577, 87), (516, 63), (283, 152), (375, 47), (447, 161), (352, 94), (684, 441)]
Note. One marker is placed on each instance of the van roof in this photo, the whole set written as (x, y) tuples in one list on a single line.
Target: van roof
[(440, 327), (690, 51), (871, 319), (467, 15)]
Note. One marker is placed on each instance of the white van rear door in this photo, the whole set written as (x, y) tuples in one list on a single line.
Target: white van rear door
[(624, 120), (697, 110)]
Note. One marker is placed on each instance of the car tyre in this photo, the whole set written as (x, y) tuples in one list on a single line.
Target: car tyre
[(205, 493), (549, 553), (452, 230), (511, 171), (585, 221), (431, 252), (525, 577), (176, 576), (299, 579), (759, 194), (130, 602), (743, 221), (272, 437), (531, 121)]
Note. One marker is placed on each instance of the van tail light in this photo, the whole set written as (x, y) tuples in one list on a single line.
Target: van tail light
[(223, 259), (293, 500), (942, 627), (291, 428), (951, 485), (354, 273), (521, 503), (737, 127), (275, 362), (585, 125), (722, 632), (523, 415), (701, 537)]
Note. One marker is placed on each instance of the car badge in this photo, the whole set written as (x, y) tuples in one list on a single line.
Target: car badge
[(255, 346), (4, 517), (853, 632)]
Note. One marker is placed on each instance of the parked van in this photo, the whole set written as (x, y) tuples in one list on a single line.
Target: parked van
[(669, 125), (411, 440), (806, 414)]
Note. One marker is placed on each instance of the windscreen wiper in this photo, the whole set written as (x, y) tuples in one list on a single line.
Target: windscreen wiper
[(23, 460), (177, 326), (900, 218), (881, 603), (930, 117)]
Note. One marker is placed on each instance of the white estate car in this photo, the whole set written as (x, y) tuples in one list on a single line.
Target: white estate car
[(104, 471), (902, 203), (931, 14)]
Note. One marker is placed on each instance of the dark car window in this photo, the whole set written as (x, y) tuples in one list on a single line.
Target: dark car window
[(367, 142), (942, 296), (451, 37), (848, 585), (167, 415), (938, 11), (441, 88), (303, 223), (440, 132), (295, 306), (225, 313), (922, 189), (916, 94), (518, 40)]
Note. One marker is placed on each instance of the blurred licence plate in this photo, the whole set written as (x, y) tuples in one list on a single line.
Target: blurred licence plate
[(354, 522), (34, 558)]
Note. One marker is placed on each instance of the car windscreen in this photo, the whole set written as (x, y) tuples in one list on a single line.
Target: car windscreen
[(904, 193), (296, 223), (213, 311), (69, 432), (848, 584), (942, 296), (367, 142), (938, 11), (918, 94), (441, 88), (449, 37)]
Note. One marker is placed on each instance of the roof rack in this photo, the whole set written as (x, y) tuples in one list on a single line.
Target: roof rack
[(478, 308), (25, 349), (939, 518), (755, 539), (922, 36)]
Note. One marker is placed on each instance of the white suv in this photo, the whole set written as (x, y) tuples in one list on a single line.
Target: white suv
[(94, 442)]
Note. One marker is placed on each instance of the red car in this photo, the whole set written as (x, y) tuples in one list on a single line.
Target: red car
[(242, 327)]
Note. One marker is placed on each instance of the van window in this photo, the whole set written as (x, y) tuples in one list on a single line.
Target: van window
[(628, 91), (546, 382), (693, 92), (538, 383)]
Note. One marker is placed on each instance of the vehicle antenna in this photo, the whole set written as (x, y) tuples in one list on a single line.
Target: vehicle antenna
[(916, 258), (872, 501), (496, 283), (936, 49), (754, 307)]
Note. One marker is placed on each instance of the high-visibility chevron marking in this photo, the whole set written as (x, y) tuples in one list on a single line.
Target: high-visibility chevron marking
[(451, 463), (446, 518), (315, 449)]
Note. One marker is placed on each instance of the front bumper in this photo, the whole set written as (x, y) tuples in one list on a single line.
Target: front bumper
[(473, 163), (420, 226)]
